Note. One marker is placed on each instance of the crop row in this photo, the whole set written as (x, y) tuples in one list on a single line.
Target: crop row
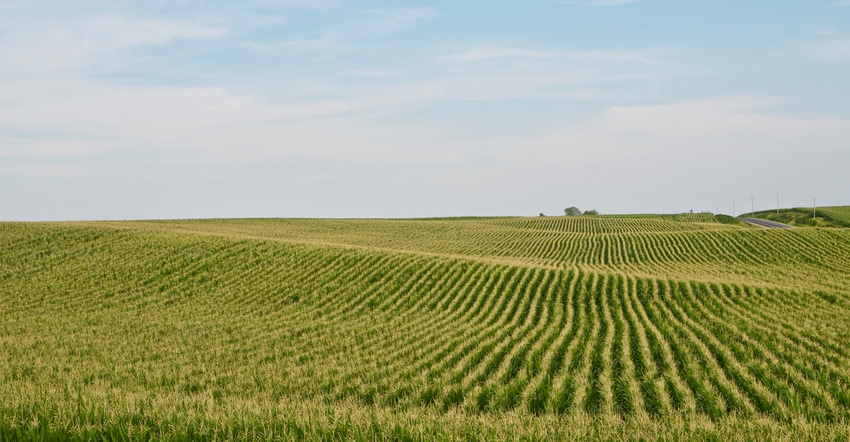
[(653, 247), (91, 311)]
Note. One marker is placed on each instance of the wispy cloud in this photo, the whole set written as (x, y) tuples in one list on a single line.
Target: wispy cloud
[(489, 53), (640, 144), (115, 31), (353, 25), (492, 53), (52, 45), (493, 73), (644, 56), (293, 46), (85, 117), (513, 102), (628, 155)]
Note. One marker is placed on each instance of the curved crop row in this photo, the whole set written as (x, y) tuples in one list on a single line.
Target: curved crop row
[(656, 246), (122, 316)]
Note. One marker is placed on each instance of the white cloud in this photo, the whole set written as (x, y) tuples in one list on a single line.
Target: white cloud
[(117, 32), (85, 118), (39, 47), (705, 147), (673, 156), (82, 117), (703, 133)]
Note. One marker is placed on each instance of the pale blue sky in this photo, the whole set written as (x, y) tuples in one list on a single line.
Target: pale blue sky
[(195, 109)]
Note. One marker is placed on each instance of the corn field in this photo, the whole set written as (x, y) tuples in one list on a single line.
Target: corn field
[(644, 327)]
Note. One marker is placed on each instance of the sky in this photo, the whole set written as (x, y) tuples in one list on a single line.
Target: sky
[(394, 109)]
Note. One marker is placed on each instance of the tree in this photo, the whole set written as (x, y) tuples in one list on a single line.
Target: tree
[(572, 211), (590, 212)]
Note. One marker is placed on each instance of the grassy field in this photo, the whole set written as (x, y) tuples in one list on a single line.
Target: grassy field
[(835, 216), (649, 327)]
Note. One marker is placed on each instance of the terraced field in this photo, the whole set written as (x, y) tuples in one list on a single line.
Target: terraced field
[(494, 328)]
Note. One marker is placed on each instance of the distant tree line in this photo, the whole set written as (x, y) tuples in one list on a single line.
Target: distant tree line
[(574, 211)]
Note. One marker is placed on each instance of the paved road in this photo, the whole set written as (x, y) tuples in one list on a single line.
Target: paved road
[(766, 223)]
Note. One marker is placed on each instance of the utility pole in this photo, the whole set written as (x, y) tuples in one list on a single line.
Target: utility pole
[(777, 204), (752, 207), (733, 209), (814, 208)]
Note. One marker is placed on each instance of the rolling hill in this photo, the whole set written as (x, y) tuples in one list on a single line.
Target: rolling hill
[(834, 216), (485, 328)]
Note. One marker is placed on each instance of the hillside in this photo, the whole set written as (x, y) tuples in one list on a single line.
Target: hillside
[(835, 216), (493, 328)]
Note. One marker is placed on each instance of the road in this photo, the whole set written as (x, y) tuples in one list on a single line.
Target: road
[(766, 223)]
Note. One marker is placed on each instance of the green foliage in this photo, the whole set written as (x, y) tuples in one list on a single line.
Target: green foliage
[(836, 214), (726, 219), (798, 217), (674, 327), (572, 211), (590, 213)]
